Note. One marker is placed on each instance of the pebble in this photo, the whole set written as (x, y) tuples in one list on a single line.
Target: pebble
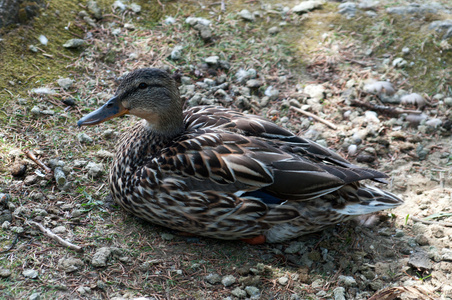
[(105, 154), (254, 83), (70, 264), (272, 93), (167, 236), (18, 169), (4, 273), (399, 62), (35, 111), (420, 260), (204, 32), (129, 26), (447, 254), (136, 8), (35, 296), (252, 291), (65, 83), (348, 9), (74, 43), (84, 138), (238, 292), (83, 290), (212, 60), (108, 133), (31, 179), (339, 293), (99, 258), (33, 48), (77, 213), (59, 230), (306, 6), (228, 280), (347, 281), (316, 91), (176, 53), (283, 280), (295, 247), (30, 273), (94, 170), (274, 30), (246, 15), (213, 278)]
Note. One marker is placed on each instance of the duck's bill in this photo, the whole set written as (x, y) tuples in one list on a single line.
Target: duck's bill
[(113, 108)]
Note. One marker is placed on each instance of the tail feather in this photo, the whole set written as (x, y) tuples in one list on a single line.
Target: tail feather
[(372, 199)]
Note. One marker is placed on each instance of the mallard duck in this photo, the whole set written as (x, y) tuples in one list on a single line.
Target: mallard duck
[(220, 173)]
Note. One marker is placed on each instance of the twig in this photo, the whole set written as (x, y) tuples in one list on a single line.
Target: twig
[(446, 224), (328, 123), (32, 156), (57, 238), (390, 111)]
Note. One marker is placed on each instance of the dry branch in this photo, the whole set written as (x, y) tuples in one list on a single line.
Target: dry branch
[(32, 156), (57, 238), (445, 224), (390, 111), (328, 123)]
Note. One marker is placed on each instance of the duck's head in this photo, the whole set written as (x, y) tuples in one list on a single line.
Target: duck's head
[(148, 93)]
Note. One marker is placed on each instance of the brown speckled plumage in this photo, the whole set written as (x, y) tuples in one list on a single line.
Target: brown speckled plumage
[(223, 174)]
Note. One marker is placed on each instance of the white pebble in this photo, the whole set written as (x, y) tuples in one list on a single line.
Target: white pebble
[(352, 149)]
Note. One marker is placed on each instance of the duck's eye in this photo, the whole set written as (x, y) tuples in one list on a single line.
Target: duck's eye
[(142, 85)]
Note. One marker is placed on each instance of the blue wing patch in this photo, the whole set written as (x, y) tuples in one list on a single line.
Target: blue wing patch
[(264, 197)]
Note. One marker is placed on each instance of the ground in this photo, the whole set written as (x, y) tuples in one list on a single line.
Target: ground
[(321, 61)]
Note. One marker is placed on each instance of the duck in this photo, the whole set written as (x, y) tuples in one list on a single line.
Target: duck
[(220, 173)]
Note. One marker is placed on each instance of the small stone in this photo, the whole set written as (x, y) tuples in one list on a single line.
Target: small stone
[(4, 273), (252, 291), (213, 278), (246, 15), (94, 9), (77, 213), (84, 138), (33, 48), (136, 8), (35, 111), (31, 179), (274, 30), (339, 293), (447, 254), (59, 230), (100, 257), (35, 296), (185, 80), (238, 292), (30, 273), (295, 247), (65, 83), (204, 32), (74, 43), (18, 169), (419, 260), (212, 60), (448, 101), (405, 50), (129, 26), (283, 280), (228, 280), (167, 236), (254, 83), (176, 53), (348, 9), (306, 6), (70, 264), (83, 290), (347, 281), (315, 91), (399, 62), (94, 170), (105, 154)]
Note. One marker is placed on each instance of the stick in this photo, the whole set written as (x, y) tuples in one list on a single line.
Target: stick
[(328, 123), (390, 111), (446, 224), (32, 156), (57, 238)]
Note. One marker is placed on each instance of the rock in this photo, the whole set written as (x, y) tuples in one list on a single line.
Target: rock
[(274, 30), (70, 264), (228, 280), (379, 87), (35, 111), (65, 83), (246, 15), (136, 8), (99, 258), (295, 247), (176, 53), (250, 280), (316, 91), (83, 290), (339, 293), (272, 93), (18, 169), (347, 281), (129, 26), (5, 216), (59, 230), (348, 9), (252, 291), (31, 179), (193, 21), (94, 170), (35, 296), (74, 43), (212, 60), (283, 280), (447, 254), (399, 62), (43, 91), (104, 154), (213, 278), (17, 229), (204, 32), (254, 83), (4, 273), (419, 260), (94, 9), (238, 292), (84, 138), (108, 133), (30, 273), (421, 240), (167, 236), (306, 6)]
